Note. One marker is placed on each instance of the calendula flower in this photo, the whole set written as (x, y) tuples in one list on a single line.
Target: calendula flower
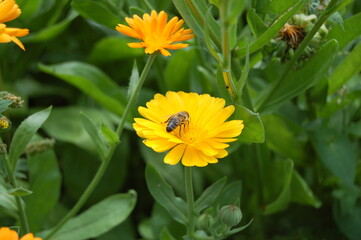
[(155, 32), (9, 10), (8, 234), (292, 35), (192, 127)]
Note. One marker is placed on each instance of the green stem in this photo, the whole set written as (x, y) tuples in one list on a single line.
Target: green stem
[(88, 191), (190, 200), (226, 71), (20, 204)]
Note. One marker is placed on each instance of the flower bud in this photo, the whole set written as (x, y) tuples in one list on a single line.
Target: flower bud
[(230, 215), (17, 102), (39, 146), (203, 221)]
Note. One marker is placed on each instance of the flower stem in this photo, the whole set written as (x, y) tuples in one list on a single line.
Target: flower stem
[(20, 204), (190, 200), (98, 176), (226, 68)]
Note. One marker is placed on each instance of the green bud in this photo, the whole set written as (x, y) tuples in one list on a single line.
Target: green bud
[(203, 221), (17, 102), (230, 215)]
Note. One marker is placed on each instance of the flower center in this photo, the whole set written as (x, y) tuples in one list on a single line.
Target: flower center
[(190, 134)]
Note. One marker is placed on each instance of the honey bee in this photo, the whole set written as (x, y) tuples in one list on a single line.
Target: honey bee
[(292, 35), (178, 119)]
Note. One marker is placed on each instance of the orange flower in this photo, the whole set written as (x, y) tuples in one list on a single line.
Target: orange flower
[(8, 234), (9, 10), (155, 32)]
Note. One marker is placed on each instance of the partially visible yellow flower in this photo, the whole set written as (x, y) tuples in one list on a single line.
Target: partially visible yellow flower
[(196, 141), (9, 10), (8, 234), (4, 123), (155, 32)]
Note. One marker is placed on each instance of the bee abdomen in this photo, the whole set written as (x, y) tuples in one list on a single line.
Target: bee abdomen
[(171, 126)]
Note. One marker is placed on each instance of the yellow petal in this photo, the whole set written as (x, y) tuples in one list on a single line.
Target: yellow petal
[(175, 154)]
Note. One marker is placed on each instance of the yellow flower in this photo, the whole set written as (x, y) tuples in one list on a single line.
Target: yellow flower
[(155, 32), (9, 10), (199, 138), (8, 234)]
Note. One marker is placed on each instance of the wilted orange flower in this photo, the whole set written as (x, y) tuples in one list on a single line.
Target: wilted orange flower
[(9, 10), (192, 127), (8, 234), (155, 32)]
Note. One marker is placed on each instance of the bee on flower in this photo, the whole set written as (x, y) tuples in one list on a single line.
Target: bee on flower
[(156, 33), (205, 133)]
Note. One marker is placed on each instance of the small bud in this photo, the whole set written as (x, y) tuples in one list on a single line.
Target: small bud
[(203, 221), (4, 123), (3, 148), (17, 102), (230, 215), (39, 146)]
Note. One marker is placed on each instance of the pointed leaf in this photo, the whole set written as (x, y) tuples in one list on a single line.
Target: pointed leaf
[(25, 132), (4, 104), (95, 135), (20, 191), (301, 192), (163, 193), (134, 79), (209, 195), (253, 131), (109, 134)]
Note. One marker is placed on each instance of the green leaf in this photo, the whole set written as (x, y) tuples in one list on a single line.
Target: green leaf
[(209, 195), (281, 138), (253, 131), (134, 79), (271, 30), (346, 32), (231, 193), (97, 11), (20, 191), (349, 66), (109, 134), (95, 135), (45, 183), (98, 219), (301, 192), (195, 14), (274, 6), (163, 193), (8, 202), (177, 72), (4, 105), (300, 80), (52, 31), (337, 153), (91, 81), (65, 124), (277, 185), (255, 23), (25, 132), (109, 49), (166, 235)]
